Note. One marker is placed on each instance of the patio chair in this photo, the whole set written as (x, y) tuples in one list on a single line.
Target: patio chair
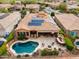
[(49, 46), (26, 55)]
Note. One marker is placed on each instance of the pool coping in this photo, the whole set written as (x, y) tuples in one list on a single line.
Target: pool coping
[(77, 46), (16, 54)]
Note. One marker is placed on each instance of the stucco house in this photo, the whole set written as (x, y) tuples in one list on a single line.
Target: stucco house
[(35, 25), (8, 22), (69, 23)]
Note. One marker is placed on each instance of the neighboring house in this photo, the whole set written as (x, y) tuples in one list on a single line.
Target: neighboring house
[(17, 7), (33, 7), (69, 23), (53, 0), (36, 24), (8, 21)]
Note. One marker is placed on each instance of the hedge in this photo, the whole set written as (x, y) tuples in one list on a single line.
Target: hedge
[(3, 50), (69, 43), (49, 52)]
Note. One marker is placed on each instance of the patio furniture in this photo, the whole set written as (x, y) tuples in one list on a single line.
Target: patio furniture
[(59, 49), (49, 46)]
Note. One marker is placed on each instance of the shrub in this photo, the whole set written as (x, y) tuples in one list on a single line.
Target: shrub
[(4, 10), (74, 11), (23, 12), (3, 49), (47, 52), (52, 14), (18, 56), (55, 52), (21, 36), (62, 7), (61, 32), (44, 52), (69, 44)]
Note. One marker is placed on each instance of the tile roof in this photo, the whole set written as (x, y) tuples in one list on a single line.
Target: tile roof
[(45, 26), (6, 21), (69, 21)]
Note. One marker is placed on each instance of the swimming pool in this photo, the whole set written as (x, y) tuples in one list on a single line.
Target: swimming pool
[(23, 48), (77, 43)]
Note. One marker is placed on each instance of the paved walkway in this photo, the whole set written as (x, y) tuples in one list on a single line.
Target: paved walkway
[(41, 57)]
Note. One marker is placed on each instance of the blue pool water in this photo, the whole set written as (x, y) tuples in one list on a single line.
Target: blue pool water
[(77, 43), (27, 47)]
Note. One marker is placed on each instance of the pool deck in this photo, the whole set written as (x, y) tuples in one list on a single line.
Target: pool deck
[(44, 42), (47, 41)]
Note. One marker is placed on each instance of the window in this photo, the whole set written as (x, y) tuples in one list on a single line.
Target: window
[(73, 34), (27, 33)]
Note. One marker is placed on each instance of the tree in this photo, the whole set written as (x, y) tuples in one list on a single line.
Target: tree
[(23, 12), (75, 11), (69, 44), (52, 14), (62, 7), (4, 10)]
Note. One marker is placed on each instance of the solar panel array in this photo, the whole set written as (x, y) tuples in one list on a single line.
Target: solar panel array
[(36, 22)]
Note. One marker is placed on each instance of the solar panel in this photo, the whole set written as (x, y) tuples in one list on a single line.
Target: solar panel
[(34, 24), (38, 21)]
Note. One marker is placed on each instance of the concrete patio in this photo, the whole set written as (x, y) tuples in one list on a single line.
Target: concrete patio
[(44, 42)]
